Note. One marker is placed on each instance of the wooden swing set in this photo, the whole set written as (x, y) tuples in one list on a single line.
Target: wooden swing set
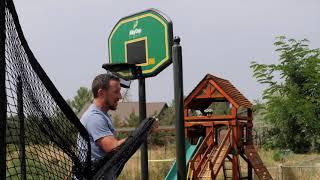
[(227, 135)]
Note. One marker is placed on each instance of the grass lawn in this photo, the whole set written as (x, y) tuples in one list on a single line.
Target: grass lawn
[(158, 170), (49, 163)]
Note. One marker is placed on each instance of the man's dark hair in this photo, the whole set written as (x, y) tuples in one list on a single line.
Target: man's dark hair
[(102, 81)]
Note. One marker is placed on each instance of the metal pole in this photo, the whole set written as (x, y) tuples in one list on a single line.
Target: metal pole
[(142, 116), (178, 99), (3, 96), (21, 127)]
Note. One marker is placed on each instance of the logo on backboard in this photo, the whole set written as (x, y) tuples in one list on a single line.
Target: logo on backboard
[(135, 30)]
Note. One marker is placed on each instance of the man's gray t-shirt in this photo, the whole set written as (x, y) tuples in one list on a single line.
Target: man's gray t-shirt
[(98, 125)]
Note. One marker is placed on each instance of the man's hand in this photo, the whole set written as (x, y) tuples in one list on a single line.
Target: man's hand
[(155, 125)]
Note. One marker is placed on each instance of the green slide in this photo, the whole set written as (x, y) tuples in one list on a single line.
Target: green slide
[(190, 150)]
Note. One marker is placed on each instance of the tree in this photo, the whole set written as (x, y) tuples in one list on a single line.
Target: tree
[(220, 108), (83, 96), (292, 96), (261, 128), (126, 95), (133, 120), (168, 117)]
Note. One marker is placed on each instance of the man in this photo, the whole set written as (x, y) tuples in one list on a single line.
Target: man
[(106, 92)]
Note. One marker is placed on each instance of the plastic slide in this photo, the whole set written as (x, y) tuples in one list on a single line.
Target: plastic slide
[(190, 150)]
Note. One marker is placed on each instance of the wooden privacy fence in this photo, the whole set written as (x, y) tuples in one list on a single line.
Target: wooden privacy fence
[(283, 172)]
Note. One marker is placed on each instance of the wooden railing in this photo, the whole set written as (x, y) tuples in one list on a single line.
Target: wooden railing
[(224, 144), (200, 156), (215, 153)]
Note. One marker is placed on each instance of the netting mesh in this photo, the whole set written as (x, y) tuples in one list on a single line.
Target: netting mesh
[(42, 133), (41, 130), (112, 166)]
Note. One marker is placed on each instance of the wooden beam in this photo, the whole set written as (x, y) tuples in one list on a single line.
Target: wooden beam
[(224, 93), (209, 124), (214, 117), (194, 93), (234, 111), (244, 118), (160, 128)]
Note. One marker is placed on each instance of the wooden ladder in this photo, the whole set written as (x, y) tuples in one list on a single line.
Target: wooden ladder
[(216, 158), (256, 163), (198, 160)]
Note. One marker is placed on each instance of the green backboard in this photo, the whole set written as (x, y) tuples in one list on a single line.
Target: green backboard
[(143, 39)]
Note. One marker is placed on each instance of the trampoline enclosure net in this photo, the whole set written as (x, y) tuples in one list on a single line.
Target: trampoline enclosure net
[(41, 130), (40, 134)]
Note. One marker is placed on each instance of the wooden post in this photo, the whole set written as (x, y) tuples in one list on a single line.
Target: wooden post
[(235, 153), (249, 128), (186, 112), (280, 172), (249, 139)]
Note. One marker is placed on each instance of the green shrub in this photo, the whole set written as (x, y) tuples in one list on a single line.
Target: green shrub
[(277, 156)]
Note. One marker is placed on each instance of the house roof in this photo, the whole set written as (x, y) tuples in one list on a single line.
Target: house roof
[(231, 93), (124, 109)]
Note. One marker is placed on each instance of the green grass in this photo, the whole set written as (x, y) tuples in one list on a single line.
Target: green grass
[(291, 159), (158, 170), (42, 162), (58, 167)]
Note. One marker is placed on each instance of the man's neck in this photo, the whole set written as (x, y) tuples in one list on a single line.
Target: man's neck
[(99, 104)]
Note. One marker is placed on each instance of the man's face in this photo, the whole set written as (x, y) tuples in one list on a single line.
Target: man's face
[(112, 95)]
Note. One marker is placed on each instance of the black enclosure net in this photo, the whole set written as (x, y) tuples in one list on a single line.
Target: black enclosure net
[(41, 129), (39, 133), (111, 167)]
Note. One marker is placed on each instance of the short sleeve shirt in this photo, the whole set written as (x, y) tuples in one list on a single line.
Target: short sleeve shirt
[(98, 125)]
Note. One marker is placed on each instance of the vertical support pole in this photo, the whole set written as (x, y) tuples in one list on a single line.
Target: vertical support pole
[(186, 113), (22, 132), (235, 154), (249, 140), (235, 139), (249, 127), (216, 135), (250, 177), (142, 116), (3, 95), (178, 97)]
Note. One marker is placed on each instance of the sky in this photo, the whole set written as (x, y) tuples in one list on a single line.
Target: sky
[(69, 38)]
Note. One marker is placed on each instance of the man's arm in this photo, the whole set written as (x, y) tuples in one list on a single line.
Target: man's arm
[(102, 134), (109, 143)]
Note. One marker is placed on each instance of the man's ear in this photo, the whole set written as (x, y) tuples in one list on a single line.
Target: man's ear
[(100, 92)]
